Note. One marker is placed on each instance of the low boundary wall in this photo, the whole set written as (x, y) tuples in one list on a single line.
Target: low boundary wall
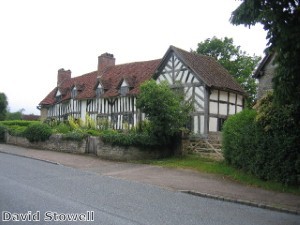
[(90, 145)]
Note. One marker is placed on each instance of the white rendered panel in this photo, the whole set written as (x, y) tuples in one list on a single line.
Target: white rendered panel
[(177, 64), (231, 109), (214, 95), (223, 96), (213, 124), (196, 122), (169, 78), (83, 107), (223, 109), (232, 98), (202, 124), (200, 91), (213, 107), (239, 100)]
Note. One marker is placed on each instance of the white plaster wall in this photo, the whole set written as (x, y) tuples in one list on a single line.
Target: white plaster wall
[(213, 124), (202, 124), (83, 112), (240, 100), (214, 95), (213, 107), (231, 109), (224, 96), (196, 129), (232, 98), (223, 109)]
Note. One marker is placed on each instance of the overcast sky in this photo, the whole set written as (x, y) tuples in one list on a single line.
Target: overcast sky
[(38, 37)]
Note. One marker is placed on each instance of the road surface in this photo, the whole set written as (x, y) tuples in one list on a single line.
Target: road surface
[(39, 192)]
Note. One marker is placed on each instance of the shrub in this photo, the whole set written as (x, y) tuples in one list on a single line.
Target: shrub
[(93, 132), (37, 132), (170, 115), (129, 139), (61, 128), (2, 133), (239, 139), (75, 135), (265, 143), (22, 123), (16, 130), (279, 148)]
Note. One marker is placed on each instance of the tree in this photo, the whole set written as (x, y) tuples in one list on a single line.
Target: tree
[(3, 106), (238, 63), (166, 110), (14, 115), (281, 20)]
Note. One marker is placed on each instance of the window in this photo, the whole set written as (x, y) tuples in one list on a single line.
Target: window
[(58, 96), (99, 90), (74, 93), (124, 90), (114, 118), (128, 118)]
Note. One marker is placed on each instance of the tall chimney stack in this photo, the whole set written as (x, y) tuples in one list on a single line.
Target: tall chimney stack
[(105, 60), (63, 75)]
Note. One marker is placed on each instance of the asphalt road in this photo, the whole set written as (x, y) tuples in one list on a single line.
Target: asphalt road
[(47, 193)]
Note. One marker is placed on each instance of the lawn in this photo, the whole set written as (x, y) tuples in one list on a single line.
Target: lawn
[(195, 162)]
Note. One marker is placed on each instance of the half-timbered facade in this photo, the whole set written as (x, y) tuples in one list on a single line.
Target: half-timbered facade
[(206, 83), (110, 92)]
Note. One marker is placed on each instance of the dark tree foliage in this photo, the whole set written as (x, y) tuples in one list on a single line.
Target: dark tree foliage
[(238, 63), (281, 20), (264, 142), (3, 106), (166, 110)]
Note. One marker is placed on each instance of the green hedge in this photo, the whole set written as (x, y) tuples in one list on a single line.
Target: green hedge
[(75, 135), (265, 143), (129, 139), (37, 132), (17, 127), (2, 133), (240, 139), (22, 123)]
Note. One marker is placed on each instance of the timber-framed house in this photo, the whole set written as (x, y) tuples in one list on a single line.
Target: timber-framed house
[(110, 92)]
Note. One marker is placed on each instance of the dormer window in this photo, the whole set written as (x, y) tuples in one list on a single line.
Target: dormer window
[(58, 96), (99, 90), (74, 92), (124, 89)]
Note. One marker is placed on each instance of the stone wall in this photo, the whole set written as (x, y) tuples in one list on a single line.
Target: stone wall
[(114, 152), (265, 81), (91, 145), (55, 143)]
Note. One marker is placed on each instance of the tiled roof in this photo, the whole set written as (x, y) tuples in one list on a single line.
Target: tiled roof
[(208, 69), (134, 73)]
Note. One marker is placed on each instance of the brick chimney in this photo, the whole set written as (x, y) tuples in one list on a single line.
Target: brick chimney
[(105, 60), (63, 75)]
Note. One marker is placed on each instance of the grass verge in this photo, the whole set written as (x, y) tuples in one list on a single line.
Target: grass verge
[(206, 165)]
